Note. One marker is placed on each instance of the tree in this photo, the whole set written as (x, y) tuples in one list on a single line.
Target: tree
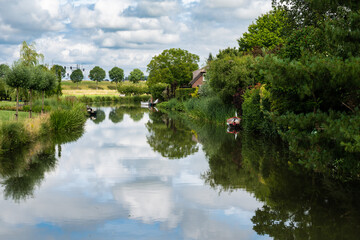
[(303, 13), (173, 66), (47, 83), (97, 74), (60, 73), (136, 75), (34, 84), (28, 54), (116, 75), (4, 70), (19, 76), (77, 76), (268, 31)]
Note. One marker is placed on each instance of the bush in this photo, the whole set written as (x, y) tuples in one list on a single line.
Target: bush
[(68, 120), (111, 87), (13, 135), (211, 109), (324, 142), (157, 90), (183, 94)]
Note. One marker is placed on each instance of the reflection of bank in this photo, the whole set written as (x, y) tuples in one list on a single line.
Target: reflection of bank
[(297, 204), (170, 137), (23, 169)]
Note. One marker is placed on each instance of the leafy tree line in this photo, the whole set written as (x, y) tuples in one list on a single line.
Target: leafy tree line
[(295, 74)]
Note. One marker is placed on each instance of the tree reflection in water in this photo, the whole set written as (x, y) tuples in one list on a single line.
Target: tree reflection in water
[(172, 139), (298, 204), (116, 114), (22, 170)]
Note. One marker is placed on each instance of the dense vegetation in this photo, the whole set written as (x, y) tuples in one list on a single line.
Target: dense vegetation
[(295, 75)]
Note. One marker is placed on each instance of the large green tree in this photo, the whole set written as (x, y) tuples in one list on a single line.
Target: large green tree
[(174, 67), (18, 77), (136, 75), (97, 74), (116, 75), (268, 31), (77, 76)]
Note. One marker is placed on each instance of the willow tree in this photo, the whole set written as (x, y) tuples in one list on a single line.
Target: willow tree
[(18, 77), (28, 54)]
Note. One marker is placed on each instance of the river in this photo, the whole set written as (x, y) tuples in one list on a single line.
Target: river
[(140, 174)]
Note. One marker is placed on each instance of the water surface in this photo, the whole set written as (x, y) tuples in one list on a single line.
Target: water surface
[(139, 174)]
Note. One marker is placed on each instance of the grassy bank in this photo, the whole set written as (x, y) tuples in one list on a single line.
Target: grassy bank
[(62, 117), (209, 109)]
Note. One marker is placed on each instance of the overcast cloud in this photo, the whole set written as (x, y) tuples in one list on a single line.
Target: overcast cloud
[(123, 33)]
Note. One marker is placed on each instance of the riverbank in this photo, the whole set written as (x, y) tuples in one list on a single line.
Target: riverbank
[(61, 116)]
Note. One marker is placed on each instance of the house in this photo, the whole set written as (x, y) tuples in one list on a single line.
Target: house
[(198, 78)]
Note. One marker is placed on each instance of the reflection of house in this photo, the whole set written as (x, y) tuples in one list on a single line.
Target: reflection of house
[(198, 77)]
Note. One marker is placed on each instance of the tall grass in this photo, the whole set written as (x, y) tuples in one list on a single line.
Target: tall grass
[(62, 120), (211, 109), (13, 135)]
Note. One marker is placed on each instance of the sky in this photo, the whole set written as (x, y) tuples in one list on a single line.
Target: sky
[(122, 33)]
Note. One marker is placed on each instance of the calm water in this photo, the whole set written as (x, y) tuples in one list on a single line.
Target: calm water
[(137, 174)]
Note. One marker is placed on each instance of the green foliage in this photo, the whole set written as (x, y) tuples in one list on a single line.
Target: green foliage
[(184, 93), (13, 135), (97, 74), (210, 109), (172, 66), (325, 142), (132, 89), (255, 112), (312, 83), (76, 76), (172, 105), (226, 75), (4, 70), (157, 90), (305, 40), (29, 56), (64, 121), (19, 76), (136, 75), (343, 34), (268, 32), (116, 74), (172, 139)]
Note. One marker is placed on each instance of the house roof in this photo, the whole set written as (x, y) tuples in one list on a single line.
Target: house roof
[(197, 74)]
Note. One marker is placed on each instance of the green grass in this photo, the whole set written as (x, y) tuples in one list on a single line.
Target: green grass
[(10, 115), (7, 104)]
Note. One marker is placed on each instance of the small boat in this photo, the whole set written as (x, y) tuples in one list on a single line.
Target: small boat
[(149, 104), (233, 121), (91, 111)]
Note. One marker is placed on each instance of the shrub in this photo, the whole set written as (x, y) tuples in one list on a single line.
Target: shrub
[(157, 90), (13, 135), (183, 94), (211, 109), (68, 120)]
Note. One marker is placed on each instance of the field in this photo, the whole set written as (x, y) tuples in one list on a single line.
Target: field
[(88, 88)]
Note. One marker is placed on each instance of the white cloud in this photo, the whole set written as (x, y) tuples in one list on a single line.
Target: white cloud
[(127, 33)]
